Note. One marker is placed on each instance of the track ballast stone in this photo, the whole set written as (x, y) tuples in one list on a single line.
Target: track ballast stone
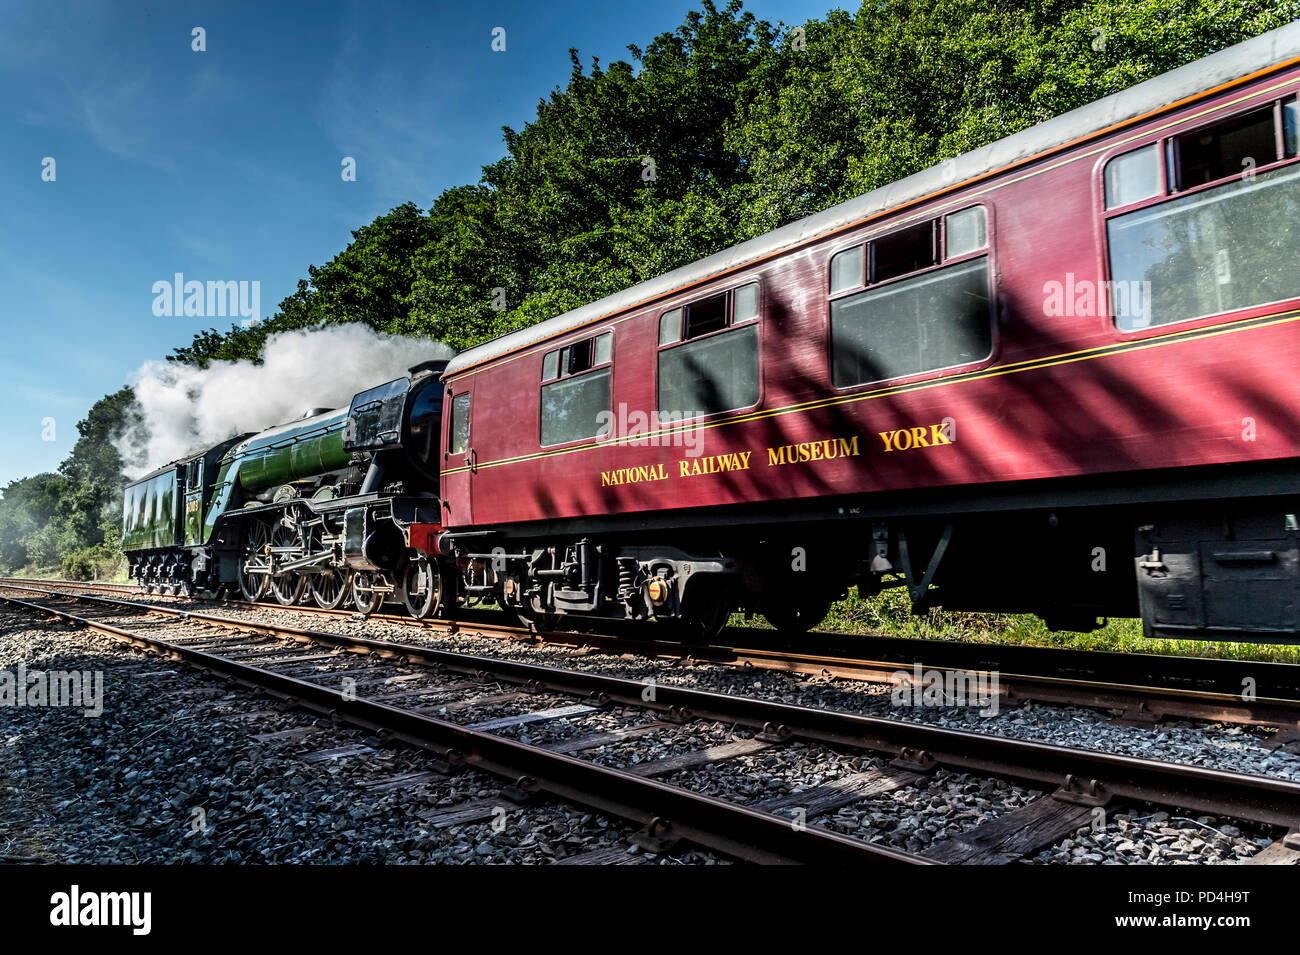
[(171, 773), (911, 818)]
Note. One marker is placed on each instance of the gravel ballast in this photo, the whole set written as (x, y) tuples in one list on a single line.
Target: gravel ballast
[(180, 742), (171, 772), (1214, 745)]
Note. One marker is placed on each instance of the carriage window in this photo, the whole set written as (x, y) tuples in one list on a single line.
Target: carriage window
[(744, 304), (1218, 249), (575, 358), (550, 365), (1227, 148), (706, 315), (572, 408), (578, 357), (965, 231), (1133, 176), (714, 374), (1291, 127), (709, 315), (846, 270), (907, 250), (670, 327), (459, 442), (573, 405), (935, 320), (707, 375), (1209, 252)]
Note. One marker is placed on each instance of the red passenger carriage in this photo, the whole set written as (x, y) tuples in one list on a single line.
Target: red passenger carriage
[(1056, 375)]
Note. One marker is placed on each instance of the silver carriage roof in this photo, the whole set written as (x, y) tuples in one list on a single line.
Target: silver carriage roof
[(1259, 53)]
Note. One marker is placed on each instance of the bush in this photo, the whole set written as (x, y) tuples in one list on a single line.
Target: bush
[(79, 565)]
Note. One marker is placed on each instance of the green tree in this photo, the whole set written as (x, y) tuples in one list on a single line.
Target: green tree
[(29, 531), (48, 516), (94, 468)]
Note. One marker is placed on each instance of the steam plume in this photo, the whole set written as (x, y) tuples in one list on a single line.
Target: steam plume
[(184, 409)]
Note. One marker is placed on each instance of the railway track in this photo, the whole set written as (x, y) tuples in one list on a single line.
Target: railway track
[(463, 708), (1141, 689)]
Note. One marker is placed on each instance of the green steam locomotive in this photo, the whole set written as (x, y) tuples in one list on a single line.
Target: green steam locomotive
[(321, 509)]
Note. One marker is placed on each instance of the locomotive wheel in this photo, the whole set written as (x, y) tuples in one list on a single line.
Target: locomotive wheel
[(253, 586), (329, 588), (421, 601), (364, 600), (798, 618), (287, 587)]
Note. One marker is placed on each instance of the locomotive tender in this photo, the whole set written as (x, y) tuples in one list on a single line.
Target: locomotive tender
[(1053, 375)]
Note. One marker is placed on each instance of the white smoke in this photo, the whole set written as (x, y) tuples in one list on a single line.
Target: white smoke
[(184, 409)]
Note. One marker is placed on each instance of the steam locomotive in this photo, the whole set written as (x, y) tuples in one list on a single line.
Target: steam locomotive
[(318, 509), (1052, 375)]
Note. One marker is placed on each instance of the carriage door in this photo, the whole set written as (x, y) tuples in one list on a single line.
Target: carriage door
[(459, 459)]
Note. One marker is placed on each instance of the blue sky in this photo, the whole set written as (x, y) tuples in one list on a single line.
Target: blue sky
[(225, 164)]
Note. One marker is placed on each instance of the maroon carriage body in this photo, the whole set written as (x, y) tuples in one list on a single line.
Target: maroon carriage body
[(1101, 376)]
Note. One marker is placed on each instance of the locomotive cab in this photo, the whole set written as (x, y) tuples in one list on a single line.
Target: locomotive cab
[(423, 425), (399, 423)]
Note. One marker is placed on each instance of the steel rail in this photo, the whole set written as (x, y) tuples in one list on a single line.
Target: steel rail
[(1084, 678), (667, 811), (916, 746)]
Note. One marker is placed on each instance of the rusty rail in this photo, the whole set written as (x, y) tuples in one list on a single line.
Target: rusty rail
[(1194, 688), (664, 810), (918, 746)]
